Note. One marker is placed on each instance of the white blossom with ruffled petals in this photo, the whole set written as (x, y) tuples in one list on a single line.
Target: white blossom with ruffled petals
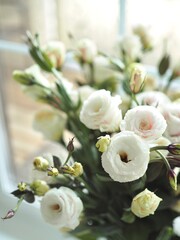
[(61, 207), (101, 111), (145, 121), (126, 158)]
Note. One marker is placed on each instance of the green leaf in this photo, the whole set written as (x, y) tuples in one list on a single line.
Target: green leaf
[(104, 178), (57, 162), (165, 234), (29, 197), (154, 170), (128, 216), (164, 64)]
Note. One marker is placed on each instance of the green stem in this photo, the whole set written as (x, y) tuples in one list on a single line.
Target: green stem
[(133, 96), (19, 203), (164, 159), (158, 148), (68, 157)]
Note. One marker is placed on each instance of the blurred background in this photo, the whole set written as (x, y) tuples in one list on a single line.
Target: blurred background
[(104, 21)]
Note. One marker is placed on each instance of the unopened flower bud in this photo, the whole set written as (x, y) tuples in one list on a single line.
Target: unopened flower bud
[(174, 148), (68, 169), (172, 179), (39, 187), (55, 50), (103, 143), (78, 169), (23, 78), (41, 163), (9, 214), (70, 146), (53, 172), (22, 186), (86, 50), (137, 80)]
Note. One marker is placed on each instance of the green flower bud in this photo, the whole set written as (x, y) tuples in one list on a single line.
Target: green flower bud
[(22, 186), (103, 143), (41, 163), (24, 78), (39, 187), (174, 148), (172, 179), (137, 80), (53, 172), (78, 169)]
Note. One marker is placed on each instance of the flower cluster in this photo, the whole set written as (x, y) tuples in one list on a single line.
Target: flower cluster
[(119, 172)]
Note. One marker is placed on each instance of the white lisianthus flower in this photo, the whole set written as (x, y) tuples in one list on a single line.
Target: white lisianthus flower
[(86, 50), (101, 111), (61, 207), (172, 115), (56, 52), (126, 158), (50, 123), (145, 203), (176, 226), (153, 98), (145, 121), (132, 46)]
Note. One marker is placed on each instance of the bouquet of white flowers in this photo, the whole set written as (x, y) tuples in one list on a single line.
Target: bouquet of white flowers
[(119, 176)]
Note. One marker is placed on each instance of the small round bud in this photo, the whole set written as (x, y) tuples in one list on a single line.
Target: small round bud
[(103, 143), (9, 214), (68, 169), (70, 146), (172, 179), (53, 172), (39, 187), (78, 169), (41, 163), (22, 186), (174, 148)]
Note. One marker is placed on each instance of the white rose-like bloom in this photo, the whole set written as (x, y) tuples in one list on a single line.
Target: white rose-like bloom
[(132, 46), (86, 50), (176, 226), (172, 115), (153, 98), (145, 203), (61, 207), (101, 111), (56, 52), (126, 158), (145, 121), (50, 123)]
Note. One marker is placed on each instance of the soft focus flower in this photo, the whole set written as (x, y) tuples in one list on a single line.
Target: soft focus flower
[(126, 158), (55, 50), (50, 123), (151, 83), (145, 37), (145, 203), (176, 226), (61, 207), (172, 115), (86, 50), (39, 187), (132, 47), (103, 143), (98, 109), (153, 98), (145, 121), (82, 92)]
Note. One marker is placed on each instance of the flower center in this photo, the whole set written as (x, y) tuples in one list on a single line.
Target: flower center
[(56, 207), (124, 157), (145, 125)]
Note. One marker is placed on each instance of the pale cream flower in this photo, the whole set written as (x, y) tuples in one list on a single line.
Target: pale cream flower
[(98, 109), (103, 143), (56, 52), (145, 203), (132, 46), (86, 50), (62, 208), (176, 226), (172, 115), (145, 121), (50, 123), (126, 158)]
